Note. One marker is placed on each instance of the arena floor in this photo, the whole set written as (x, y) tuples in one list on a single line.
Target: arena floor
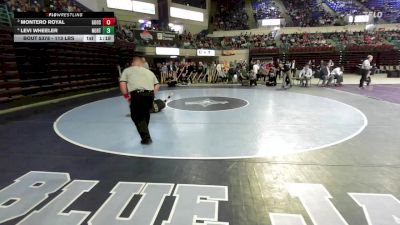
[(244, 156)]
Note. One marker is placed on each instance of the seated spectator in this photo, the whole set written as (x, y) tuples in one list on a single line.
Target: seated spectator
[(304, 40), (305, 75), (170, 80), (325, 74), (271, 77)]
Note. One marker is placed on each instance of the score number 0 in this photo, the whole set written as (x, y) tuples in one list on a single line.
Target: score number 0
[(108, 21)]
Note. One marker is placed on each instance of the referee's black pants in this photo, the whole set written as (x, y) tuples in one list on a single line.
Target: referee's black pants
[(364, 74), (141, 104)]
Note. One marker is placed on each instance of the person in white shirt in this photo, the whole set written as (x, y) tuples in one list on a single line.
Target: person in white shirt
[(305, 75), (220, 70), (337, 74), (253, 78), (138, 85), (365, 69), (212, 72)]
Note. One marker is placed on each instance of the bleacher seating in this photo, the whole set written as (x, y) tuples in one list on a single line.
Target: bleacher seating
[(55, 68), (265, 9), (312, 49), (390, 9), (230, 15), (307, 13), (10, 87), (256, 51), (344, 6), (365, 48)]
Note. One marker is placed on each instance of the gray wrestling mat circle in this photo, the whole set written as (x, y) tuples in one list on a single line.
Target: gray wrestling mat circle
[(216, 123)]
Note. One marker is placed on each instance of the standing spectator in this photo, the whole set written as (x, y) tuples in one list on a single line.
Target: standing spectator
[(286, 80), (293, 68), (256, 68), (278, 66), (220, 71), (331, 64), (365, 69)]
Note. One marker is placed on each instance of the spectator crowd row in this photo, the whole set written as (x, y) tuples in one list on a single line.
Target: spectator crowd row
[(230, 15), (268, 71), (273, 40), (340, 38), (244, 40), (266, 9), (50, 6)]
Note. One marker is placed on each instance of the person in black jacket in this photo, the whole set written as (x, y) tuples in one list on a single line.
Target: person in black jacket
[(286, 81), (271, 77), (278, 67), (325, 74), (183, 74), (293, 68), (231, 72), (170, 80), (200, 71), (191, 69), (172, 67)]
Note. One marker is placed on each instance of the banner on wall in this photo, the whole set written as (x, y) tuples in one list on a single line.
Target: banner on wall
[(228, 52), (167, 51), (150, 37), (205, 52)]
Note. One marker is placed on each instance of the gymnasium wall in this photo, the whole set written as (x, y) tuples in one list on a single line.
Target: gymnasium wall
[(189, 25), (125, 16), (238, 54), (90, 4)]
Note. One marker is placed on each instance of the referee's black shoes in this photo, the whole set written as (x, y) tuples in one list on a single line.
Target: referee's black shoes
[(146, 141)]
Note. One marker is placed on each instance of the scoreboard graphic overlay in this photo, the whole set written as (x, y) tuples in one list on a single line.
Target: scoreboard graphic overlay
[(64, 27)]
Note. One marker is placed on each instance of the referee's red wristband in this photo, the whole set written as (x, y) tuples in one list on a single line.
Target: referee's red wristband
[(126, 96)]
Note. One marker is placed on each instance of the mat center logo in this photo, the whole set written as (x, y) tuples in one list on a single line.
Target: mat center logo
[(207, 103)]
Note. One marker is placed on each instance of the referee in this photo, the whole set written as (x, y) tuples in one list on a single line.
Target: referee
[(138, 85)]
